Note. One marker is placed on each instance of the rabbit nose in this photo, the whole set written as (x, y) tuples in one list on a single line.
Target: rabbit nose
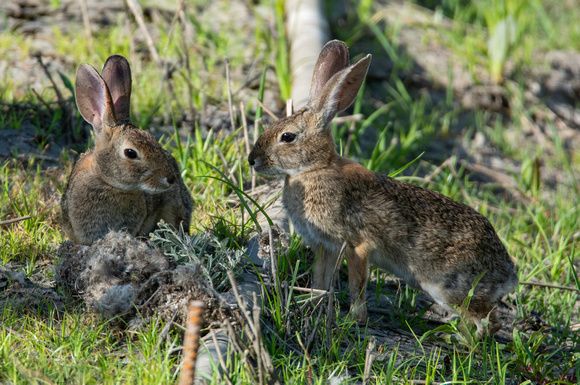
[(251, 160)]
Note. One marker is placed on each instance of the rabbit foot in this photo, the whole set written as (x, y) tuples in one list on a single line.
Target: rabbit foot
[(358, 312)]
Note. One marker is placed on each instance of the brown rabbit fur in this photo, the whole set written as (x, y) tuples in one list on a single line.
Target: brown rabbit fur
[(127, 181), (424, 237)]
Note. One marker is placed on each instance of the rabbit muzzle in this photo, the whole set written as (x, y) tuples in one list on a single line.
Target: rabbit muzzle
[(254, 162), (262, 167), (156, 185)]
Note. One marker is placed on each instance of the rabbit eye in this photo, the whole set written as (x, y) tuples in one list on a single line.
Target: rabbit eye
[(130, 153), (288, 137)]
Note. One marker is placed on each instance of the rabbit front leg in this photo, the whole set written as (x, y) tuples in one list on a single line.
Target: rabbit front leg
[(324, 268), (357, 259)]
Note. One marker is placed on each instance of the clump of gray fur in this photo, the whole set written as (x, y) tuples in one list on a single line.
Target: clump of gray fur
[(121, 276)]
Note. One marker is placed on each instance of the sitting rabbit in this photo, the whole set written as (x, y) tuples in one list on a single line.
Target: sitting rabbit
[(426, 238), (127, 181)]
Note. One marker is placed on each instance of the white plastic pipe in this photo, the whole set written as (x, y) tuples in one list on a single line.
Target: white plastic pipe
[(307, 33)]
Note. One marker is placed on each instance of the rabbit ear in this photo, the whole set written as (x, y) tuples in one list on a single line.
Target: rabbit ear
[(332, 59), (341, 90), (117, 76), (93, 98)]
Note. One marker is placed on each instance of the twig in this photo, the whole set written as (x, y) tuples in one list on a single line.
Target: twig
[(369, 359), (230, 106), (250, 76), (542, 284), (337, 264), (253, 333), (166, 329), (349, 118), (256, 132), (314, 329), (330, 309), (267, 110), (234, 341), (187, 62), (87, 23), (60, 98), (191, 342), (176, 17), (240, 300), (303, 289), (138, 13), (226, 166), (220, 356), (437, 171), (274, 334), (289, 107), (274, 263), (14, 220), (247, 141), (245, 128), (150, 297), (47, 105), (257, 339)]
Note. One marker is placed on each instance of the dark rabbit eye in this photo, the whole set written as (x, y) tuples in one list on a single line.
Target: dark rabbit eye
[(130, 153), (288, 137)]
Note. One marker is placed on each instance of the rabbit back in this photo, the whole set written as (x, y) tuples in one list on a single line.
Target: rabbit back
[(431, 241)]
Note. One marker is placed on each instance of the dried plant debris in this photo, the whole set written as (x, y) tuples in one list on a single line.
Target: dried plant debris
[(125, 278), (18, 292)]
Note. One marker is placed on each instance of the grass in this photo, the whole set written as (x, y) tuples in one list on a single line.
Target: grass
[(537, 221)]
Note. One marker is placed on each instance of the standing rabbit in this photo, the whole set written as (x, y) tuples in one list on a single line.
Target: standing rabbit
[(426, 238), (127, 181)]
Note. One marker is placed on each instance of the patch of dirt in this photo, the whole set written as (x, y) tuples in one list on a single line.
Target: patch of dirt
[(27, 142), (19, 293)]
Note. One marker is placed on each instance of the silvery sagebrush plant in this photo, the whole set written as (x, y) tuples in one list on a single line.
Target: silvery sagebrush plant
[(213, 255)]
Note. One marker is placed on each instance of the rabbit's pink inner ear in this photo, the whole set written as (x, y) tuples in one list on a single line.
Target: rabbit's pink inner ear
[(332, 59), (352, 83), (117, 76), (93, 99), (341, 90)]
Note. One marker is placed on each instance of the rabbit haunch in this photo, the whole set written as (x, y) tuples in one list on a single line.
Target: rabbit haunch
[(127, 181), (430, 240)]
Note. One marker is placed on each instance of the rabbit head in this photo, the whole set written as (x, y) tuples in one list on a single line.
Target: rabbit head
[(125, 156), (303, 141)]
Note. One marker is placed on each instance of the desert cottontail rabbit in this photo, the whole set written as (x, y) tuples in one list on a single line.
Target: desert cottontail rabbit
[(127, 181), (431, 241)]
